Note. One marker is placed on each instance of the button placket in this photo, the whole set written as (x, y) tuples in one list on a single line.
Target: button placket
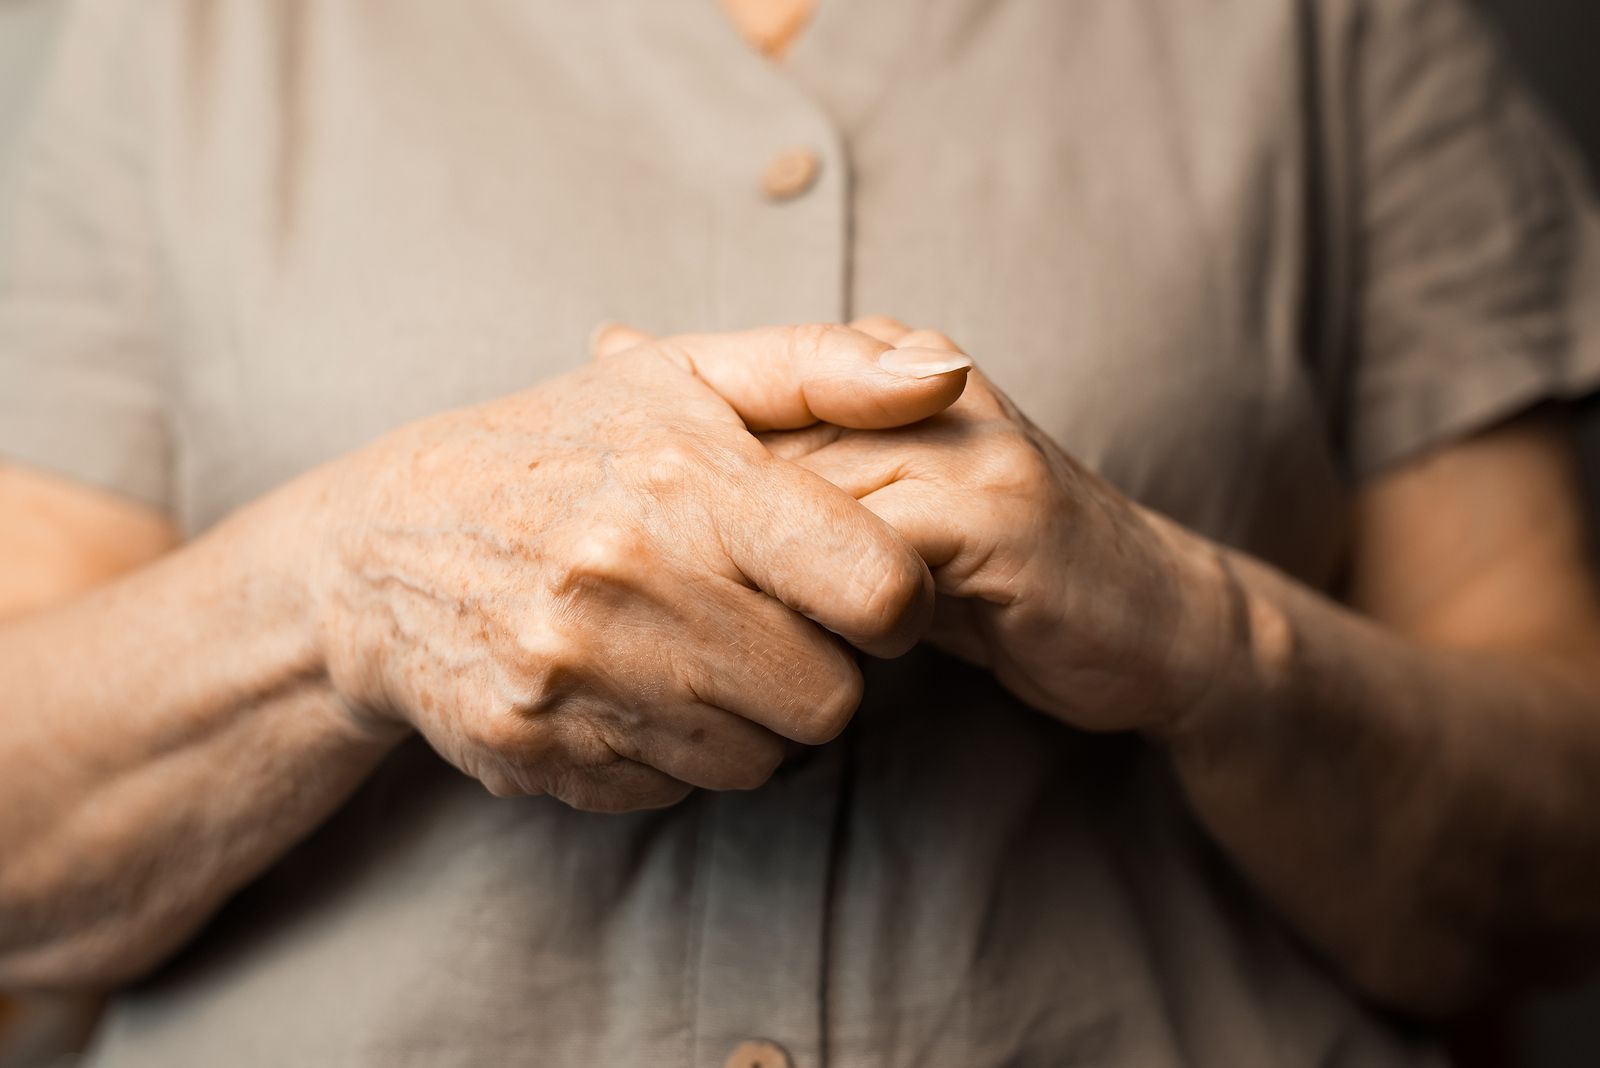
[(744, 126), (771, 166), (769, 866), (783, 230), (783, 258)]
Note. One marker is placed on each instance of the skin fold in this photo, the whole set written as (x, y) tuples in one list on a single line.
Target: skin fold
[(585, 589), (1414, 787)]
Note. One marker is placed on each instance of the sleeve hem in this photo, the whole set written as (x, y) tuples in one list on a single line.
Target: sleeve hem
[(1401, 424), (52, 455)]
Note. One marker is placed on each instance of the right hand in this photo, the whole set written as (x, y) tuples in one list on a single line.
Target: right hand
[(605, 589)]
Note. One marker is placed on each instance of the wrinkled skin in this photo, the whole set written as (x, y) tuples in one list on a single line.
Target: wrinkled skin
[(1084, 604), (605, 588)]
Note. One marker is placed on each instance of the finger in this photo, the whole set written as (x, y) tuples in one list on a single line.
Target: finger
[(862, 462), (871, 469), (708, 747), (980, 394), (780, 378), (887, 330), (616, 786), (588, 775), (609, 339), (927, 520), (661, 635), (811, 546), (754, 657), (793, 444)]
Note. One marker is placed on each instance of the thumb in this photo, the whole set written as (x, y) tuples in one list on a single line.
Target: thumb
[(784, 377), (609, 339)]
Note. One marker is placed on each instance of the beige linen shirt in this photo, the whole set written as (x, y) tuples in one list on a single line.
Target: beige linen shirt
[(1236, 255)]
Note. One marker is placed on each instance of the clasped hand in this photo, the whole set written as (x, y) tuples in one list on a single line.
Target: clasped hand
[(1082, 603), (610, 590)]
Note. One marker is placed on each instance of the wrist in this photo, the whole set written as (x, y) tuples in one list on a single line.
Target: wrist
[(287, 538), (1234, 644)]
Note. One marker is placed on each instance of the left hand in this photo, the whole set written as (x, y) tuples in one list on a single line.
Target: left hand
[(1083, 603)]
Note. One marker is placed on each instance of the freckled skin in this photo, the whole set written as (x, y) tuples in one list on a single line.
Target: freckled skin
[(1411, 779), (604, 622), (603, 589)]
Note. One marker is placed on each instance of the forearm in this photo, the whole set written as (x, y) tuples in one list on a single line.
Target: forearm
[(1425, 816), (163, 739)]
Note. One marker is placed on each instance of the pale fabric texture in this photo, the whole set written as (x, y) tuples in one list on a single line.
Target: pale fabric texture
[(1235, 255)]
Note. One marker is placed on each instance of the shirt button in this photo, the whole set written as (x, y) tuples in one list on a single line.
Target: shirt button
[(790, 173), (758, 1054)]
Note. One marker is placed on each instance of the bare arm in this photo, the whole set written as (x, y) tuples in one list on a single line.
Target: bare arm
[(163, 736), (1413, 778), (63, 538), (1416, 782), (589, 590)]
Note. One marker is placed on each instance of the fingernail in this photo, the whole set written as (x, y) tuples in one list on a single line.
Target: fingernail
[(923, 363)]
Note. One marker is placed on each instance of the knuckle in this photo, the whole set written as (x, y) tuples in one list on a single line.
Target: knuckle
[(753, 770), (668, 464), (832, 709), (807, 341), (512, 735), (499, 764), (616, 787), (1013, 465), (550, 665), (524, 732), (686, 472), (817, 345), (895, 585), (751, 777), (607, 554), (665, 794), (504, 733), (578, 791), (580, 783)]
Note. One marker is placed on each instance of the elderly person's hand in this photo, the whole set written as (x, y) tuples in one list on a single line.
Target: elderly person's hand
[(1083, 603), (605, 589)]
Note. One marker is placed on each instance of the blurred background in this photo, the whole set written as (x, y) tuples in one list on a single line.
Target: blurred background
[(1556, 43)]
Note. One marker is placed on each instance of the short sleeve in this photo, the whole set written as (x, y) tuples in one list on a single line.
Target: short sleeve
[(82, 383), (1477, 246)]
